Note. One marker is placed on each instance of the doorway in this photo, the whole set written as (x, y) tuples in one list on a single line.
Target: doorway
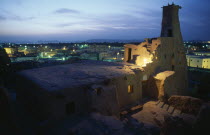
[(129, 54), (150, 88)]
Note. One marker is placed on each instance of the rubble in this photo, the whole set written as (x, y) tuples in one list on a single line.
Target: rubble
[(186, 104)]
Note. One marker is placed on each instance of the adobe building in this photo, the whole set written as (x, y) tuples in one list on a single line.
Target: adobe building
[(154, 68), (198, 61), (59, 91), (163, 56)]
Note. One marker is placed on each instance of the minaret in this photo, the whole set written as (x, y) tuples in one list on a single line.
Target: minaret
[(170, 22), (171, 28)]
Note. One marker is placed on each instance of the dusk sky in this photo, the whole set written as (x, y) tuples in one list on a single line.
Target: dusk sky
[(73, 20)]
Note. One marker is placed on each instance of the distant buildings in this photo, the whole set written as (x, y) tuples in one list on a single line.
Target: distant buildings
[(198, 61), (112, 52), (196, 46), (202, 53)]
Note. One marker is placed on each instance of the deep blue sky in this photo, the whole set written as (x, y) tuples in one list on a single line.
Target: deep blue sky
[(71, 20)]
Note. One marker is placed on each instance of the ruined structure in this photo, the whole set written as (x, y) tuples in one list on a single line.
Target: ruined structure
[(158, 55), (155, 68)]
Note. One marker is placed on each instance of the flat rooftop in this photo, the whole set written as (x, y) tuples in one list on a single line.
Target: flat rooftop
[(85, 72)]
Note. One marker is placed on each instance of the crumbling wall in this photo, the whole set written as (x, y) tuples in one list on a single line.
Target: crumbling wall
[(150, 88), (175, 60), (50, 105), (164, 83), (104, 99), (144, 57), (143, 53), (111, 98), (168, 51), (159, 88), (124, 97), (169, 86), (78, 96), (128, 55), (169, 56), (155, 43), (34, 99)]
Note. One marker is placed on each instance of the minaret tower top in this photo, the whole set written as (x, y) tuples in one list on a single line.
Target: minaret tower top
[(170, 21)]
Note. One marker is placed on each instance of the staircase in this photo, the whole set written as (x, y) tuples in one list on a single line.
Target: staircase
[(170, 109)]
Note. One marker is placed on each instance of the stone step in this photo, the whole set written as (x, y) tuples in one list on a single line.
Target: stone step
[(161, 104), (168, 108), (176, 112), (165, 107), (171, 109), (123, 113), (157, 102), (137, 108)]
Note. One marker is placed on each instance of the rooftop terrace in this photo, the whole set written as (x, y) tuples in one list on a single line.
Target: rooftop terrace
[(77, 74)]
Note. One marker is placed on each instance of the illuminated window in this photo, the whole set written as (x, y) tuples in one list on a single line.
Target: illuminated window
[(130, 88)]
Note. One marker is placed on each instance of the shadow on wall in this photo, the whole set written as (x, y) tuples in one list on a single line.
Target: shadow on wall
[(150, 88), (134, 59)]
